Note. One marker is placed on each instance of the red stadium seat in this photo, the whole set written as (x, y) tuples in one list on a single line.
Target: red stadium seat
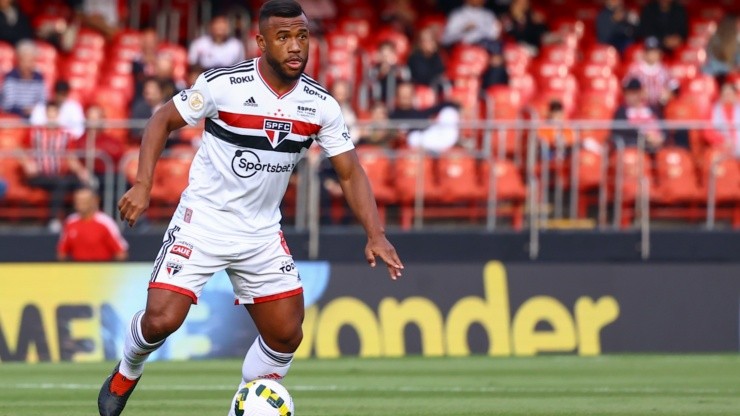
[(517, 59), (630, 180), (467, 61), (457, 175), (727, 177), (524, 85), (505, 104), (605, 55), (90, 39), (397, 38), (509, 188), (676, 177), (356, 26), (702, 26), (12, 138), (558, 54), (682, 71), (424, 96), (691, 55)]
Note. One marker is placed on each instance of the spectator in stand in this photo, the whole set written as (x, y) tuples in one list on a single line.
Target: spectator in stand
[(496, 72), (341, 90), (377, 133), (218, 48), (387, 73), (666, 20), (615, 25), (50, 167), (425, 62), (525, 25), (71, 115), (90, 235), (152, 98), (144, 65), (99, 15), (23, 86), (472, 24), (653, 75), (401, 15), (637, 113), (554, 132), (3, 188), (443, 130), (725, 135), (164, 72), (14, 24), (104, 142), (723, 49)]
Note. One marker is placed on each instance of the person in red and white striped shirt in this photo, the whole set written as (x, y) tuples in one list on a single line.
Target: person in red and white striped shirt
[(90, 235), (657, 82)]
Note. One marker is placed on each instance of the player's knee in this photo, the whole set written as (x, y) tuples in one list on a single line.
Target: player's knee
[(156, 326), (288, 340)]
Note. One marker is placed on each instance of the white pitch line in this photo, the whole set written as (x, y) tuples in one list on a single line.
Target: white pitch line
[(404, 389)]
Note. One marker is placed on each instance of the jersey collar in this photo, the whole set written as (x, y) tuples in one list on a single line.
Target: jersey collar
[(269, 87)]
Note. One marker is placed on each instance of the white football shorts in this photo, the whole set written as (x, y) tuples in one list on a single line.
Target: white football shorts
[(260, 270)]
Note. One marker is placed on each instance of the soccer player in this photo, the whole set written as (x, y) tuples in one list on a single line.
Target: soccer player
[(261, 116)]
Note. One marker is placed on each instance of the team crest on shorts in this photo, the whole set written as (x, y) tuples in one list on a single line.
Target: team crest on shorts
[(173, 267)]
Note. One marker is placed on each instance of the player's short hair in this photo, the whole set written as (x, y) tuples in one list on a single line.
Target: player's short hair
[(280, 8)]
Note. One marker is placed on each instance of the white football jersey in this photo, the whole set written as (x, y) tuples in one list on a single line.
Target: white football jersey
[(252, 141)]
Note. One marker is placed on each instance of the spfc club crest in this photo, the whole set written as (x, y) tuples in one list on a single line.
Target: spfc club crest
[(277, 130), (173, 267)]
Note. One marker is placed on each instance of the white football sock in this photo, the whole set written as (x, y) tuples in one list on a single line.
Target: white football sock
[(135, 349), (263, 362)]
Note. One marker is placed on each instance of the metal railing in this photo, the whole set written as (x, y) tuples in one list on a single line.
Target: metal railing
[(550, 194)]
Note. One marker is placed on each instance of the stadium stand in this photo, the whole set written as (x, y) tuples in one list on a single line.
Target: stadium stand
[(570, 66)]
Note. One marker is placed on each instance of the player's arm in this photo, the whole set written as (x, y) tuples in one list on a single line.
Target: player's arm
[(165, 120), (359, 196)]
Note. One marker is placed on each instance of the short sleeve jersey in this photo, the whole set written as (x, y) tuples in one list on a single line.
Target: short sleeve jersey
[(253, 139)]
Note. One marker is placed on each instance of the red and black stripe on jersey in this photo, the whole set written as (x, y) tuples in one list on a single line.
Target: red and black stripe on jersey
[(257, 142), (245, 66)]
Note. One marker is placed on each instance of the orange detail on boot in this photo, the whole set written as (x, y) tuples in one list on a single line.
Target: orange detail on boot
[(120, 385)]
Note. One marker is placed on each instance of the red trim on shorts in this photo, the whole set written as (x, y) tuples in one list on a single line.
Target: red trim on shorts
[(277, 296), (176, 289)]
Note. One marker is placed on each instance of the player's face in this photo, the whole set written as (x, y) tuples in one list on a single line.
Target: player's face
[(284, 44)]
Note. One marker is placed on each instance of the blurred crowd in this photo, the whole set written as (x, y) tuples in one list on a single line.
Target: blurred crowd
[(69, 66)]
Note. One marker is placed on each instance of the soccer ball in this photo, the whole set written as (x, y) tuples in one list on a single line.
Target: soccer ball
[(262, 398)]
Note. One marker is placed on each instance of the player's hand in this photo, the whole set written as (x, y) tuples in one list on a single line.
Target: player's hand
[(133, 203), (381, 247)]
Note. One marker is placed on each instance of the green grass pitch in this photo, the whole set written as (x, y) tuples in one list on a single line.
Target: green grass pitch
[(548, 385)]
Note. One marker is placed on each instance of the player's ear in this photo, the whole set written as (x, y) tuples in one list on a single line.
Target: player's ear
[(261, 42)]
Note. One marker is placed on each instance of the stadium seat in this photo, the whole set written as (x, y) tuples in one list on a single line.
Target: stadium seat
[(510, 189), (691, 55), (630, 180), (682, 71), (12, 138), (517, 59), (179, 58), (377, 165), (600, 54), (407, 167), (356, 26), (21, 201), (467, 61), (685, 108), (558, 54), (424, 96), (524, 85), (504, 104), (727, 177), (676, 180), (702, 26), (588, 70), (457, 176), (90, 39)]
